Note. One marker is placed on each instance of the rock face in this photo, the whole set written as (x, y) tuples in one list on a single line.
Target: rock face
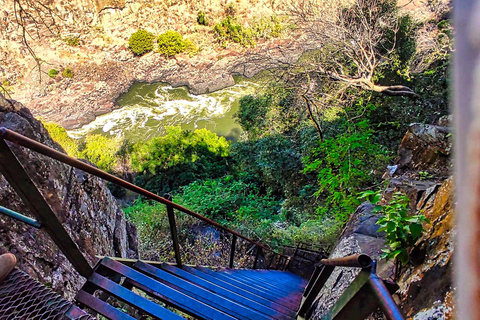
[(359, 236), (426, 289), (81, 202), (425, 147)]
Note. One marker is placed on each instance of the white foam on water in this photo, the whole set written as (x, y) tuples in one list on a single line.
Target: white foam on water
[(161, 111)]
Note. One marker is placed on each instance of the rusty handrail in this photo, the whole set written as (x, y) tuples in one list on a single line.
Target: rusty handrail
[(356, 260), (375, 284), (31, 144)]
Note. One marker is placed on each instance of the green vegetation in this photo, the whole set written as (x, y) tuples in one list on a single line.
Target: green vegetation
[(102, 151), (170, 43), (202, 18), (141, 42), (52, 73), (267, 28), (67, 73), (319, 133), (402, 230), (230, 10), (230, 30), (179, 158), (72, 41), (59, 135), (344, 166)]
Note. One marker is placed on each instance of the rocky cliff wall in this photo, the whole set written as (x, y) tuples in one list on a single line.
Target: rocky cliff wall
[(82, 203), (423, 173)]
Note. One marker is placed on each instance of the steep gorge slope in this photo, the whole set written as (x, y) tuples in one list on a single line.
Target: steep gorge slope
[(82, 203)]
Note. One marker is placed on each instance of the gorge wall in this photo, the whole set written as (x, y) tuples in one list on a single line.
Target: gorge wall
[(82, 203)]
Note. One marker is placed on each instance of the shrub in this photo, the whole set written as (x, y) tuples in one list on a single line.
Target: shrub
[(267, 28), (230, 30), (170, 43), (202, 18), (102, 151), (177, 147), (346, 165), (72, 41), (402, 230), (52, 73), (67, 73), (59, 135), (230, 10), (141, 42)]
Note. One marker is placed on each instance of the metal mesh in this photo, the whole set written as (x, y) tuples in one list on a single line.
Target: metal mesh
[(21, 297)]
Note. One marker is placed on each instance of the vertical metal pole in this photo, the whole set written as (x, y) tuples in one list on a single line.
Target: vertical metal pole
[(232, 250), (173, 230), (466, 81), (257, 253), (380, 291), (271, 260)]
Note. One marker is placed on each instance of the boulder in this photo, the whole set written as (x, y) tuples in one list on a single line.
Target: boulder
[(426, 147)]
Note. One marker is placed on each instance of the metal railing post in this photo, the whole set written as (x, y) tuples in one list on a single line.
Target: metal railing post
[(387, 304), (232, 250), (173, 230), (257, 253)]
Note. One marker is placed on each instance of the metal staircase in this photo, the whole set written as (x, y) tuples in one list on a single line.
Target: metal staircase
[(199, 292)]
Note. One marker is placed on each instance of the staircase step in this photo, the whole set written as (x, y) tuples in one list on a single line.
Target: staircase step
[(199, 292), (129, 297), (271, 310), (164, 293), (273, 296)]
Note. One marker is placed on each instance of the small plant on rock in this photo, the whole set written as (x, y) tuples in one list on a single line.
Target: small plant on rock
[(141, 42), (402, 230), (67, 73), (72, 41), (202, 18), (230, 10), (170, 43), (52, 73)]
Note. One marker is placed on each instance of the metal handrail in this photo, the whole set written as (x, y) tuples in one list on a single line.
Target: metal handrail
[(375, 284), (33, 145)]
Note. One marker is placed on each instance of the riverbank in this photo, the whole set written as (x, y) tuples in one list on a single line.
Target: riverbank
[(96, 85), (104, 68)]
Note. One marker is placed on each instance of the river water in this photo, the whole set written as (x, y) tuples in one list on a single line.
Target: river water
[(147, 109)]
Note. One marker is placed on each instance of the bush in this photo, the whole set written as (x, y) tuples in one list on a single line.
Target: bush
[(177, 147), (59, 135), (267, 28), (102, 151), (67, 73), (346, 165), (230, 30), (170, 43), (179, 158), (52, 73), (230, 10), (202, 18), (141, 42), (401, 229), (72, 41)]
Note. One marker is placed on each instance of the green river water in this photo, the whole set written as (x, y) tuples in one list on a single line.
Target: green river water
[(147, 109)]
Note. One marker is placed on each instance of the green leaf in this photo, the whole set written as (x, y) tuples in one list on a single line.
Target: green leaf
[(376, 198), (391, 226), (416, 230)]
